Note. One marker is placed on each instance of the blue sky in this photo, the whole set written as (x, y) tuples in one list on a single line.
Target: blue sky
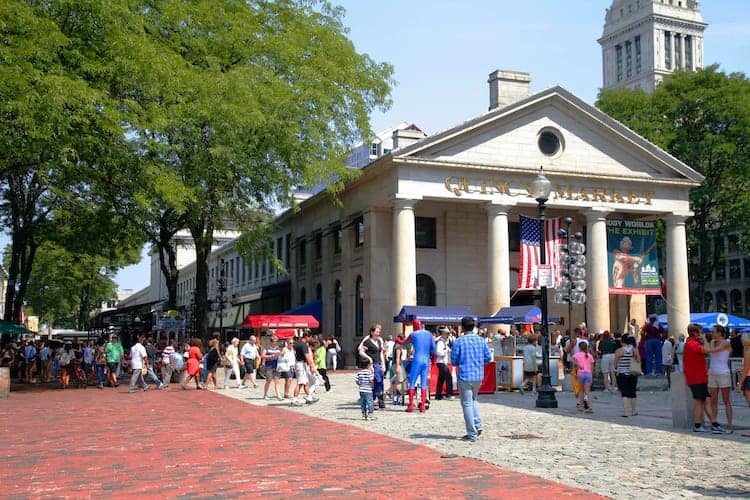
[(443, 51)]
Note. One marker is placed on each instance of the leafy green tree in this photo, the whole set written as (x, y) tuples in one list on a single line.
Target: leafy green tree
[(65, 287), (263, 97), (65, 160), (702, 118), (119, 113)]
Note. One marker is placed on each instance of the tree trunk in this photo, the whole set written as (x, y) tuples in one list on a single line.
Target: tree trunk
[(202, 232), (168, 266)]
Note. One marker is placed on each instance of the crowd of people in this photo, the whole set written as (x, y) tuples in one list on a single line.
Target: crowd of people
[(398, 368)]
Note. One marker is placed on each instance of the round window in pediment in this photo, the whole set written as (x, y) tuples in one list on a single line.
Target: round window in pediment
[(550, 142)]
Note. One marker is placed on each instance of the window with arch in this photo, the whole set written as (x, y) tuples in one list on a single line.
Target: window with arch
[(302, 295), (359, 308), (721, 301), (736, 301), (708, 301), (337, 292), (425, 290), (318, 292)]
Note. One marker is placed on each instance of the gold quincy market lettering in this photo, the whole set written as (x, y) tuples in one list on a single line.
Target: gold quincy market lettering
[(460, 185)]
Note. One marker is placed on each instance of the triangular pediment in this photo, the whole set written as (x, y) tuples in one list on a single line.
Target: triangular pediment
[(593, 144)]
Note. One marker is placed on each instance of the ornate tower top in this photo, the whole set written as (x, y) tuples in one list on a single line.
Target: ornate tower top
[(643, 40)]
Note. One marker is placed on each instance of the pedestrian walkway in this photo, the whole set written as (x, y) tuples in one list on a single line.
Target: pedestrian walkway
[(105, 443), (635, 457)]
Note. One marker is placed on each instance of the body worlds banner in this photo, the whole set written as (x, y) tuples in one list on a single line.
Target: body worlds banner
[(633, 261)]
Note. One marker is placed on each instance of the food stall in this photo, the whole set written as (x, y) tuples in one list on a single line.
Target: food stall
[(283, 325), (509, 366)]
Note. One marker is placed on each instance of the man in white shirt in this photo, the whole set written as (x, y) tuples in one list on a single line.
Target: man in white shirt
[(138, 361), (443, 356)]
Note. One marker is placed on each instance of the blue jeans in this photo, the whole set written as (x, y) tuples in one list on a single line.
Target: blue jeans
[(653, 356), (152, 376), (366, 403), (378, 387), (468, 391), (100, 374)]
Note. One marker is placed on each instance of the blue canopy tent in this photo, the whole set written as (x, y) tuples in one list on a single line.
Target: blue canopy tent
[(433, 314), (518, 314), (707, 320), (312, 308)]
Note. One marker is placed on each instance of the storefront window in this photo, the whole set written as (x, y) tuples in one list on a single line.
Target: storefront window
[(424, 232), (359, 232), (721, 301), (425, 290), (359, 313), (736, 297), (337, 326)]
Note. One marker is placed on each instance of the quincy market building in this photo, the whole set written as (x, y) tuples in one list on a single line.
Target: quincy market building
[(435, 220)]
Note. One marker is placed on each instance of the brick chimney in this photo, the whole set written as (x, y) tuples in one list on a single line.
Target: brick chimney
[(507, 87)]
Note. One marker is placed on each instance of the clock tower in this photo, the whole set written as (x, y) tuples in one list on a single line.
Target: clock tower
[(643, 40)]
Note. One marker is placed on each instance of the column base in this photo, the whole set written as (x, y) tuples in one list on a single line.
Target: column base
[(545, 394)]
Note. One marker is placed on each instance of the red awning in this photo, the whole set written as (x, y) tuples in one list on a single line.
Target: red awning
[(284, 333), (280, 321)]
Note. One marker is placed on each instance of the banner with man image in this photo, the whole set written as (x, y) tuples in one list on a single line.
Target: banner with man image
[(632, 257)]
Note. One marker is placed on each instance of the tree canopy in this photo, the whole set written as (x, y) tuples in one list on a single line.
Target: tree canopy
[(133, 117), (702, 118)]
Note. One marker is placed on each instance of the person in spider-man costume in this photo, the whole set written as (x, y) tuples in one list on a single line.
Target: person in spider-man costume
[(424, 348)]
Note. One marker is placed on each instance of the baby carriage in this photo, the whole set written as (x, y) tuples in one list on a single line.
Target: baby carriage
[(77, 374)]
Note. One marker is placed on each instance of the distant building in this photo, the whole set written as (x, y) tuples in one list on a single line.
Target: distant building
[(643, 40)]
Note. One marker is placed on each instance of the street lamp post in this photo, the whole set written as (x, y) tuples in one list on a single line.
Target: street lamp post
[(220, 298), (540, 189)]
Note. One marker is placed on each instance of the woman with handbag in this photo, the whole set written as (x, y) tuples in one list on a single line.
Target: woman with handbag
[(194, 364), (284, 366), (628, 362), (232, 364), (213, 358), (270, 357)]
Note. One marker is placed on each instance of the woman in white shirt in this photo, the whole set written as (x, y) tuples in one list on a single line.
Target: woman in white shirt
[(719, 376), (232, 364), (284, 366)]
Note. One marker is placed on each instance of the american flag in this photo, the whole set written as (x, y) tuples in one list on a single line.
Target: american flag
[(529, 258)]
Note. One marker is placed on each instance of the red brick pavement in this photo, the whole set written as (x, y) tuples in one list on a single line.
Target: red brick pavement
[(108, 443)]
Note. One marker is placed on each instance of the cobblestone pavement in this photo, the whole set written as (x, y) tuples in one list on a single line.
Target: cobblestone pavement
[(196, 444), (635, 457)]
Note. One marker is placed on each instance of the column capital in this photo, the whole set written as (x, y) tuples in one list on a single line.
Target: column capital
[(675, 219), (497, 208), (405, 201), (597, 214)]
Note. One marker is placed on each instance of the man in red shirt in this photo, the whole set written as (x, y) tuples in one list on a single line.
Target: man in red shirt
[(696, 377)]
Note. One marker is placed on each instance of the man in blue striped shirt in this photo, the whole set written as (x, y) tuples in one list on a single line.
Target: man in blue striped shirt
[(470, 353)]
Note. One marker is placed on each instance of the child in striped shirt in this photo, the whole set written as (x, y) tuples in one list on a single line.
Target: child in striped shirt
[(365, 380)]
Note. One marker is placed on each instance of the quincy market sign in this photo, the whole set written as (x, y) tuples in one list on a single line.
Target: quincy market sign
[(571, 192)]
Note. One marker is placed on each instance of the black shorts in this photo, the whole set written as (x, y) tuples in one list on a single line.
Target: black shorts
[(746, 384), (700, 391), (529, 374), (112, 367), (249, 365)]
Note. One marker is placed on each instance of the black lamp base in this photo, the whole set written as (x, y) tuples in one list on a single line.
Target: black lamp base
[(545, 395)]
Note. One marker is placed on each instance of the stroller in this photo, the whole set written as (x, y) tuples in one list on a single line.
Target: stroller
[(77, 374)]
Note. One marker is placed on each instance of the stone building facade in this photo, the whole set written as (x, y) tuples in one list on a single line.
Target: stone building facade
[(435, 222), (643, 40)]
